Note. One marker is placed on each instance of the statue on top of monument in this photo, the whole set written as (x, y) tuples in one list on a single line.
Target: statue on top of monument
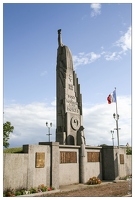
[(59, 38)]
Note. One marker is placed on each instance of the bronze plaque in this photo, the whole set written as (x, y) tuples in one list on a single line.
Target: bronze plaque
[(93, 156), (68, 157), (40, 159), (121, 158)]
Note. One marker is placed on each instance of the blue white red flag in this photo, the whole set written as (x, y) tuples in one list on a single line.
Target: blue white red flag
[(112, 97)]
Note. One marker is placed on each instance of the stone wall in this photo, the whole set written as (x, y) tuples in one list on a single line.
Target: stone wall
[(69, 164), (93, 162), (115, 163), (21, 170), (15, 171), (125, 163), (52, 164)]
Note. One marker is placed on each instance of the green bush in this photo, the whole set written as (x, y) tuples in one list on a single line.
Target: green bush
[(129, 151), (33, 190), (17, 193), (22, 191)]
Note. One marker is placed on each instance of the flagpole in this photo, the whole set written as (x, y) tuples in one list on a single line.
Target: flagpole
[(117, 118)]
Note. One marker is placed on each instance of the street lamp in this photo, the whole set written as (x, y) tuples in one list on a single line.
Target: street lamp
[(112, 132), (49, 129), (116, 117)]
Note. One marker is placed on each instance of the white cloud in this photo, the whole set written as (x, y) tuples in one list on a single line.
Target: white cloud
[(86, 58), (125, 41), (96, 9), (99, 121), (83, 58), (53, 103), (29, 122), (112, 56)]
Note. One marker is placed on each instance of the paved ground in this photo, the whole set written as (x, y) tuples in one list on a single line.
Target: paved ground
[(105, 189)]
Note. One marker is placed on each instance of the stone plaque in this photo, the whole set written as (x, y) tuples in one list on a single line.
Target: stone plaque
[(93, 156), (121, 158), (40, 160), (68, 157)]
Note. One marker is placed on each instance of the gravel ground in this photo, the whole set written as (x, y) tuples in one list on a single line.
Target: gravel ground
[(117, 189)]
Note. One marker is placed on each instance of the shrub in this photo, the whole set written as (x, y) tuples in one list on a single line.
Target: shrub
[(21, 191), (9, 193), (129, 151), (42, 187), (33, 190)]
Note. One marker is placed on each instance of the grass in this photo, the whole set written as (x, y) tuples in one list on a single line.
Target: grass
[(13, 150)]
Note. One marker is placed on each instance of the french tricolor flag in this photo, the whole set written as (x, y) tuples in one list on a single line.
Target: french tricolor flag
[(112, 97)]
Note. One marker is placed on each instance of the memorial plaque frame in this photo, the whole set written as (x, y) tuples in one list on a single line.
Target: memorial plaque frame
[(121, 158), (40, 160), (93, 156), (68, 157)]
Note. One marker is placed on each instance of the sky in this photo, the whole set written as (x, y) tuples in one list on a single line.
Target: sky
[(100, 40)]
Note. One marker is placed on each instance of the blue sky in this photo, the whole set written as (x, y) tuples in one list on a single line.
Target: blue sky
[(99, 37)]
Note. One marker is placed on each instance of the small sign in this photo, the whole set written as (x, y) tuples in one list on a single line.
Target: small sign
[(40, 160), (121, 158)]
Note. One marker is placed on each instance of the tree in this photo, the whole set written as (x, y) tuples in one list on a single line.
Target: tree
[(7, 129), (102, 145)]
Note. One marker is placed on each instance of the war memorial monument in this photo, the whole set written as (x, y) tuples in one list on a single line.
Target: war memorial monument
[(69, 99), (68, 160)]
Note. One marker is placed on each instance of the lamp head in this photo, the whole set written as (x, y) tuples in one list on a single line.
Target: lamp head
[(114, 115)]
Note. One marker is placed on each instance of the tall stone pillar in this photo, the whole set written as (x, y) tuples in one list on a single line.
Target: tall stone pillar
[(69, 100), (82, 164)]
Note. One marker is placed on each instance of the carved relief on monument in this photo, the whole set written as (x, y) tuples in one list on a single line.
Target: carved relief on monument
[(75, 123), (70, 86)]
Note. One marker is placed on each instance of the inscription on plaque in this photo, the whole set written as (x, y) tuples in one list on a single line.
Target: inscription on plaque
[(121, 158), (68, 157), (72, 109), (40, 160), (93, 156), (71, 97), (71, 102)]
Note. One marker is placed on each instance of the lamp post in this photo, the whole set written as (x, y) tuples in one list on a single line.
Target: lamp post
[(49, 129), (112, 132), (116, 117)]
